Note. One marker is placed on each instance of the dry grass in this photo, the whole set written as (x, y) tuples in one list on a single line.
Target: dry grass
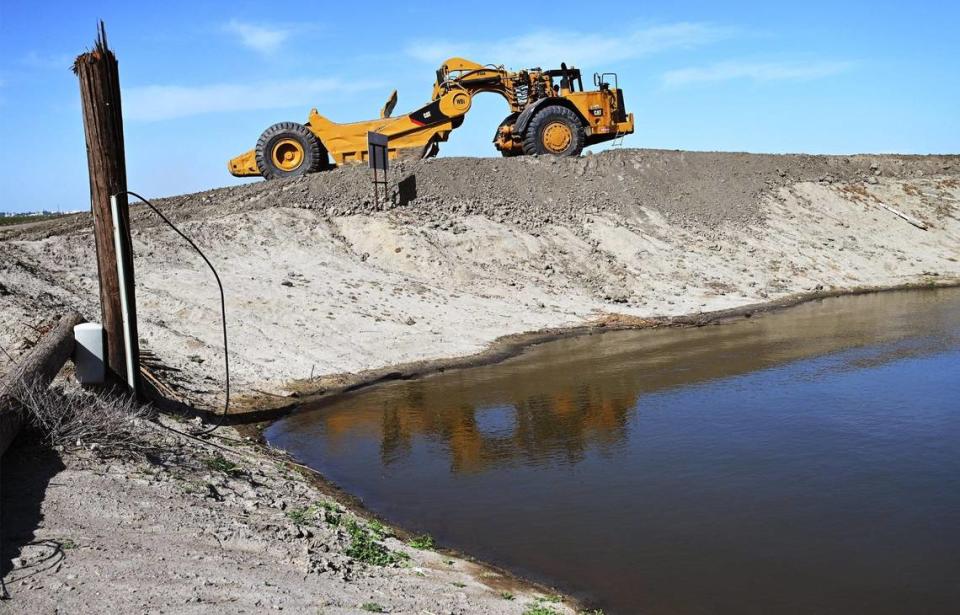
[(109, 422), (857, 193)]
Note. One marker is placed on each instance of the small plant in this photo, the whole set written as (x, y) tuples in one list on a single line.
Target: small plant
[(506, 595), (297, 515), (302, 515), (67, 543), (539, 609), (423, 542), (331, 514), (372, 607), (331, 518), (218, 463), (458, 584), (380, 531), (365, 548), (550, 598)]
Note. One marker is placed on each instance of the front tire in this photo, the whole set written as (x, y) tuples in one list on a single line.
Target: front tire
[(510, 120), (288, 149), (554, 130)]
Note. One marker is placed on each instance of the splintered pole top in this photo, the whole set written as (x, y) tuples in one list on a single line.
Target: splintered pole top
[(100, 50)]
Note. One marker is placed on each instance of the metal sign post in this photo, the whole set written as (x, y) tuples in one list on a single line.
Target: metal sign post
[(379, 161)]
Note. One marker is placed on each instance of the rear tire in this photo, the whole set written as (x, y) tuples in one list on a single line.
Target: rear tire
[(554, 130), (288, 149)]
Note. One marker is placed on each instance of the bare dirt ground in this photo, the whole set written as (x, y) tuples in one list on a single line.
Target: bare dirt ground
[(183, 526), (322, 281)]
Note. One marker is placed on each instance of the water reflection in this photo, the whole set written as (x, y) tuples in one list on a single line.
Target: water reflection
[(559, 400)]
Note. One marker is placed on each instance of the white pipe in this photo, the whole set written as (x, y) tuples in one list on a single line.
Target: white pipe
[(120, 249)]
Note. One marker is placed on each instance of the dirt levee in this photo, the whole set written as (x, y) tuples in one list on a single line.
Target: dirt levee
[(321, 279)]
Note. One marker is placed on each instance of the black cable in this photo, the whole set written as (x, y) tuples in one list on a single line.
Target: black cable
[(223, 311)]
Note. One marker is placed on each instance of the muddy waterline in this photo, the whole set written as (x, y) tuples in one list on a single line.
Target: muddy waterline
[(800, 461)]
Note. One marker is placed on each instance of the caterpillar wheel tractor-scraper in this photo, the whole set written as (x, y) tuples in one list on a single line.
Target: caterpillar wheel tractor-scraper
[(550, 113)]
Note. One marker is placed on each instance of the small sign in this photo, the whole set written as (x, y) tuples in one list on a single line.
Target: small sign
[(377, 150)]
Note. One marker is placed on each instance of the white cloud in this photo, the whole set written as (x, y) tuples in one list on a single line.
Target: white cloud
[(163, 102), (756, 71), (262, 39), (549, 48)]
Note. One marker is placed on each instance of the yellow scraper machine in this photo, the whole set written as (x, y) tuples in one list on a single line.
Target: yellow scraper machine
[(550, 113)]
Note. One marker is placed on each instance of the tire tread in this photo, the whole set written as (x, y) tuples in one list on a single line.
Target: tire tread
[(314, 151)]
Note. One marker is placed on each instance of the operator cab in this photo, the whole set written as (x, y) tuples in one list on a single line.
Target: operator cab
[(570, 80), (600, 81)]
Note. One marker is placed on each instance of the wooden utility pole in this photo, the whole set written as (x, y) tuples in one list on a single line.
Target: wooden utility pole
[(103, 126)]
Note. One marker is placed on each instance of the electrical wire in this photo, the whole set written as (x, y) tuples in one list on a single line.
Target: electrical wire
[(223, 311)]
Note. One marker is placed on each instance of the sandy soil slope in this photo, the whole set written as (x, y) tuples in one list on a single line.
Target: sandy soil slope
[(321, 281)]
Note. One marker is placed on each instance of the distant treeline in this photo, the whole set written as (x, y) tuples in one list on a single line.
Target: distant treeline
[(7, 218)]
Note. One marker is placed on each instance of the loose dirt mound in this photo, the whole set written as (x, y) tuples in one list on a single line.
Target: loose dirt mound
[(693, 187), (689, 188)]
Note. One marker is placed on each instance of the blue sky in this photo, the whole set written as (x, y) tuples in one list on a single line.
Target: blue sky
[(201, 80)]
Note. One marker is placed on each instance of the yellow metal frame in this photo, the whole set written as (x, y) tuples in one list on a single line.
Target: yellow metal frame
[(415, 134)]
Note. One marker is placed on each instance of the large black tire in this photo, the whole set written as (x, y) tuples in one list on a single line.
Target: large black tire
[(549, 121), (507, 121), (311, 155)]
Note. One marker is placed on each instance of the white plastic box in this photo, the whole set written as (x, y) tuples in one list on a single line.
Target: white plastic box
[(88, 353)]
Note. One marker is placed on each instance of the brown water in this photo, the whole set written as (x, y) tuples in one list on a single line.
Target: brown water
[(802, 462)]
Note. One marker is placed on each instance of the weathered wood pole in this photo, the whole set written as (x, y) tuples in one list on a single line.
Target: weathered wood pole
[(35, 369), (103, 126)]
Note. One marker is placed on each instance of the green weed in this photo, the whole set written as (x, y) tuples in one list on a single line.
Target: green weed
[(218, 463), (303, 515), (365, 548), (423, 542), (331, 518), (379, 530)]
